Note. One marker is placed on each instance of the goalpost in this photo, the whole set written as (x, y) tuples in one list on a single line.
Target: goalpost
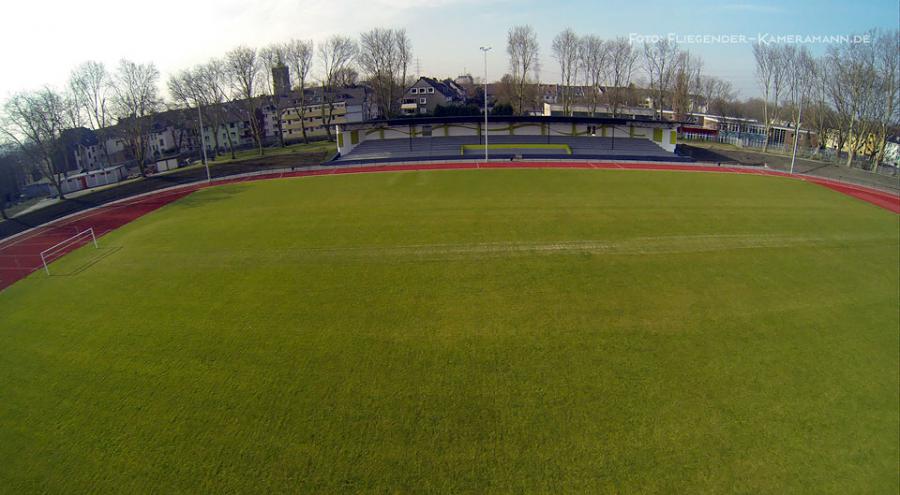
[(59, 249)]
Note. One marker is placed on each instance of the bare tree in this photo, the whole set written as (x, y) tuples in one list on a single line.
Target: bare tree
[(74, 120), (783, 58), (765, 73), (792, 87), (594, 57), (820, 114), (300, 60), (336, 56), (210, 84), (187, 88), (715, 91), (659, 62), (404, 45), (523, 50), (685, 83), (184, 87), (73, 115), (566, 47), (11, 175), (852, 92), (776, 60), (621, 64), (384, 57), (135, 101), (92, 87), (799, 70), (242, 68), (34, 121)]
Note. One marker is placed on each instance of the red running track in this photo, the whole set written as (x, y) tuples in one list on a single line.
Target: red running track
[(20, 255)]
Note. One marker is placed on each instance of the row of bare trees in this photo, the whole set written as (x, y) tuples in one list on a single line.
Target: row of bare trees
[(588, 59), (35, 121), (594, 62), (236, 86), (245, 75), (609, 67), (848, 95)]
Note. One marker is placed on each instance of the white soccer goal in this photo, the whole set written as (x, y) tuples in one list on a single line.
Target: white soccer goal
[(57, 250)]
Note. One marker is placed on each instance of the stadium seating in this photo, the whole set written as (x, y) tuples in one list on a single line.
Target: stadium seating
[(450, 148)]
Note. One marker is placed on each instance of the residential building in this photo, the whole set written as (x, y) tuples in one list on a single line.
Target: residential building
[(554, 93), (321, 109), (892, 151), (427, 93)]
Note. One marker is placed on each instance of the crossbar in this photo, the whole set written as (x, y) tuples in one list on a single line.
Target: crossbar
[(52, 248)]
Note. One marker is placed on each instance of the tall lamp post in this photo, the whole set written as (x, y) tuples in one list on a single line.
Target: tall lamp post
[(485, 49), (203, 142), (796, 135)]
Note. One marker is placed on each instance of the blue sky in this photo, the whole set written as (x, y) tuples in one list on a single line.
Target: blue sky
[(55, 36), (610, 19)]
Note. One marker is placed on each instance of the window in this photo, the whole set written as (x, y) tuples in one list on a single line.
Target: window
[(414, 91), (431, 90), (423, 101)]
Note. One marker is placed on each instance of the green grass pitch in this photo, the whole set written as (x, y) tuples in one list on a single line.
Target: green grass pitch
[(465, 331)]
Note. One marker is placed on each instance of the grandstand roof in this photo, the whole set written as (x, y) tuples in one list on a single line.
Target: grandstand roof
[(536, 119)]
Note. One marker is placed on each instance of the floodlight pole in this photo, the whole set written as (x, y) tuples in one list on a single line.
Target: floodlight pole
[(203, 143), (796, 134), (485, 49)]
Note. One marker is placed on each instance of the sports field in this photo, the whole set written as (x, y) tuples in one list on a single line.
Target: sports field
[(477, 331)]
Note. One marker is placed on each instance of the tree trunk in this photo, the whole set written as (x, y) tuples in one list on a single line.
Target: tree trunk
[(215, 140), (851, 153), (54, 181), (280, 129), (257, 131), (301, 114), (230, 144), (328, 121)]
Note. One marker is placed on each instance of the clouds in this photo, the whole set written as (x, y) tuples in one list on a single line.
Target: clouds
[(53, 37), (44, 40)]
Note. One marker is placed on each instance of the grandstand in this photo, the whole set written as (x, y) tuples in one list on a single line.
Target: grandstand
[(541, 138)]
